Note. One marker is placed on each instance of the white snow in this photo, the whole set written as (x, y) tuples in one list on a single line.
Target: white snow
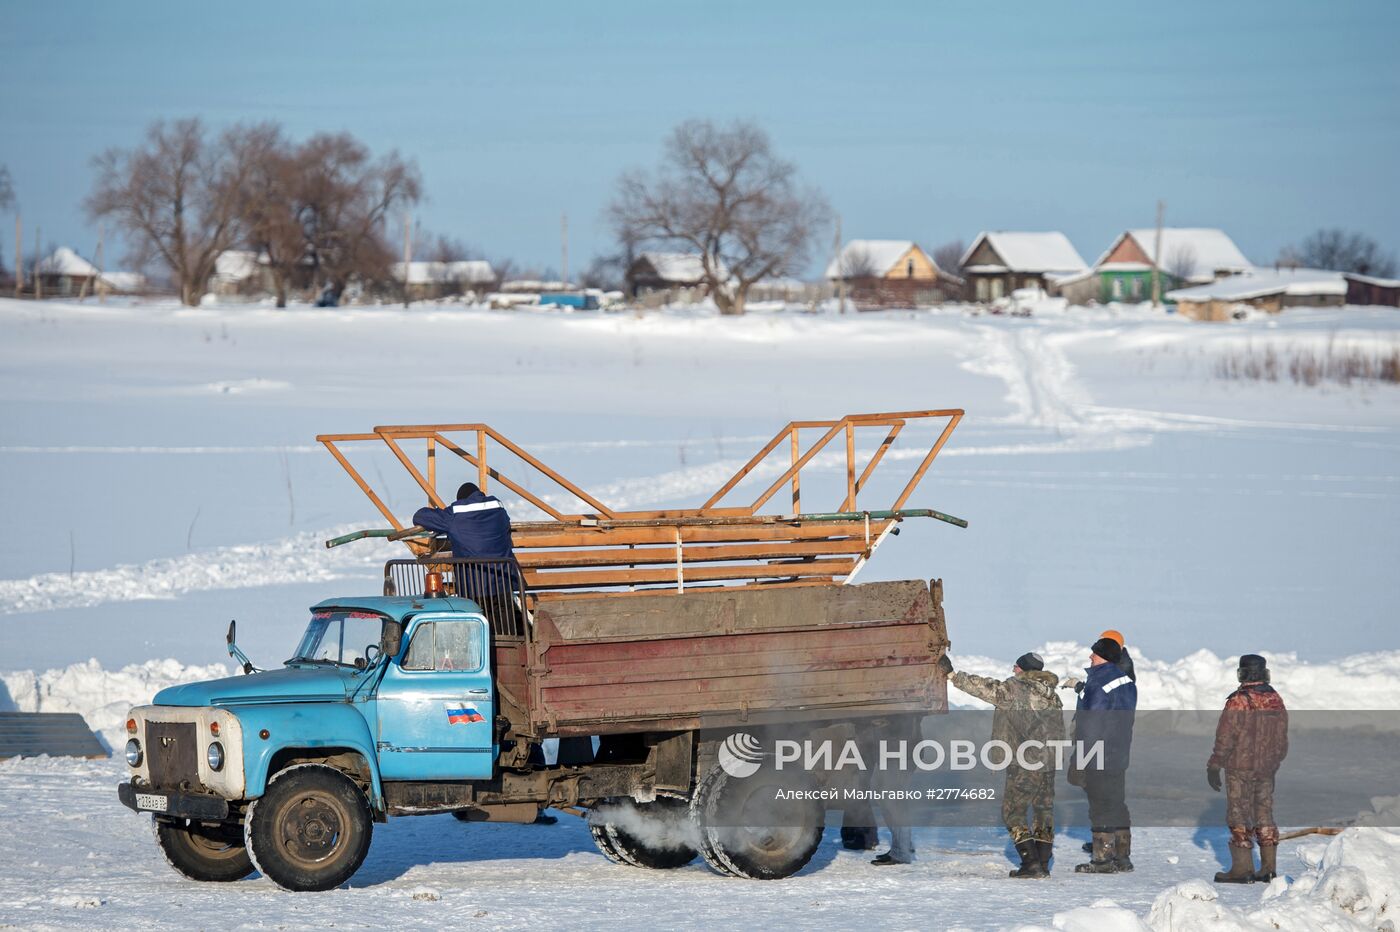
[(682, 268), (466, 271), (1258, 282), (161, 478), (1031, 252)]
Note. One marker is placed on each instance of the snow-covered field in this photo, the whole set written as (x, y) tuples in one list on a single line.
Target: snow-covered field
[(160, 477)]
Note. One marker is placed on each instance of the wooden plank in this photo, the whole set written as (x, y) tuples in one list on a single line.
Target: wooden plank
[(551, 596), (553, 559), (560, 536), (329, 443), (953, 420), (577, 578)]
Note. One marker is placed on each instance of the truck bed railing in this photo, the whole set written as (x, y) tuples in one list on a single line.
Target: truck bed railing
[(586, 548), (498, 586)]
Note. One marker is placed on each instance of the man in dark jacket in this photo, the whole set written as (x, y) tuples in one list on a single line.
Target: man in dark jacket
[(1105, 712), (1027, 710), (476, 524), (1251, 741)]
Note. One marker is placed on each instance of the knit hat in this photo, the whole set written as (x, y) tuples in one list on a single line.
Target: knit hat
[(1114, 635), (1030, 661), (1108, 649)]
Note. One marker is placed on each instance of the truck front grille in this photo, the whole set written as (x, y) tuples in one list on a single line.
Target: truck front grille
[(173, 754)]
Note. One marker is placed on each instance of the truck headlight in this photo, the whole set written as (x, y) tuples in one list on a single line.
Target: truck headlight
[(133, 753), (215, 756)]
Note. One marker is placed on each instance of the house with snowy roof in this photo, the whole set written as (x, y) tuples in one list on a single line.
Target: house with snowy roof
[(1184, 256), (666, 276), (67, 274), (1269, 290), (999, 262), (425, 280), (890, 273)]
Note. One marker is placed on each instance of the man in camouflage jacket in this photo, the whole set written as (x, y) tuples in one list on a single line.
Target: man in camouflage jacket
[(1251, 742), (1027, 709)]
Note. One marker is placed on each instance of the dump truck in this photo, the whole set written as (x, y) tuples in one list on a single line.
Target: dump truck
[(663, 649)]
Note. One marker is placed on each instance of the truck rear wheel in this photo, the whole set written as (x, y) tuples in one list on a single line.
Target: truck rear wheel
[(599, 831), (747, 831), (216, 855), (311, 829), (658, 835)]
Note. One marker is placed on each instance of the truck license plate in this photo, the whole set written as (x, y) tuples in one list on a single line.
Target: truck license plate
[(152, 802)]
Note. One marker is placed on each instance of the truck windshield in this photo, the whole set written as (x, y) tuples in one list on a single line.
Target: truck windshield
[(339, 637)]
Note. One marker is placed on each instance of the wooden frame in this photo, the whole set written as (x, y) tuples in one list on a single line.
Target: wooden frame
[(595, 547)]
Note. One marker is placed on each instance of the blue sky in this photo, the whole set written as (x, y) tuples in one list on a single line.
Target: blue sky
[(919, 120)]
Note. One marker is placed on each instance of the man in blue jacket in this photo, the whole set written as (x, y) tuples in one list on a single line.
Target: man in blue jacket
[(476, 524), (1106, 709)]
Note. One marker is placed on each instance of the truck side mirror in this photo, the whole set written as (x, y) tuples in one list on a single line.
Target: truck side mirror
[(393, 638), (232, 631)]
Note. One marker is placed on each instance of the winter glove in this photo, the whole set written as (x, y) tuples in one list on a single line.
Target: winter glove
[(945, 663), (1070, 682), (1213, 778)]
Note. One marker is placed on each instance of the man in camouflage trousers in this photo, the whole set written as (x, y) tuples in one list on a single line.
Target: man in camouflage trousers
[(1251, 742), (1027, 709)]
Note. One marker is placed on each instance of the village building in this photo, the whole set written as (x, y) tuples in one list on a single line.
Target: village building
[(1187, 256), (1000, 262), (66, 274), (240, 272), (882, 273), (429, 280), (1269, 290), (667, 277), (1367, 289)]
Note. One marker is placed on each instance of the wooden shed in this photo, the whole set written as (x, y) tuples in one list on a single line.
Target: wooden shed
[(881, 273), (1367, 289)]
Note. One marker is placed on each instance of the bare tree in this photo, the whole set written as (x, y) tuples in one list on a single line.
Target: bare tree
[(857, 262), (1340, 251), (347, 199), (1182, 262), (948, 257), (721, 192), (270, 203), (176, 197), (7, 189)]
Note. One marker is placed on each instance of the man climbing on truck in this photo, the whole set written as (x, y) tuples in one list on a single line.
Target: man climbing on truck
[(476, 524)]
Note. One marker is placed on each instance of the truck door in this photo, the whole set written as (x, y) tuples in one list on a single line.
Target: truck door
[(436, 709)]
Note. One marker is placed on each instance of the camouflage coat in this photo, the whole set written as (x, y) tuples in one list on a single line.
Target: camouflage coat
[(1027, 708), (1253, 731)]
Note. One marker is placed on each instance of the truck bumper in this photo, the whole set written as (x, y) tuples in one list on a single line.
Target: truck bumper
[(178, 805)]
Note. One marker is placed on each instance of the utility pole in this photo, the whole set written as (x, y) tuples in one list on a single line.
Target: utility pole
[(38, 282), (19, 254), (407, 252), (1157, 259), (101, 283), (840, 272), (564, 248)]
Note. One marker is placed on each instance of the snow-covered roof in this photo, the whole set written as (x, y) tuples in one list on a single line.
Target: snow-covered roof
[(1209, 250), (65, 261), (1257, 283), (877, 255), (1030, 252), (679, 267), (1372, 280), (467, 271), (236, 265)]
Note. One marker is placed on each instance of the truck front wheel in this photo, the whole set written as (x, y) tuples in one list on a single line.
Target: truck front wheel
[(751, 827), (311, 829), (199, 852)]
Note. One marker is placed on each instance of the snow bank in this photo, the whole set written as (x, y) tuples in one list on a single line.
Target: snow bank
[(101, 697), (1202, 680)]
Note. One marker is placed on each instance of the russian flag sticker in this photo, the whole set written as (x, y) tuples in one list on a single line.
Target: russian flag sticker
[(460, 713)]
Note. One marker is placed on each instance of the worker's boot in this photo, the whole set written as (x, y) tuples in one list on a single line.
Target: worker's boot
[(1030, 860), (1046, 850), (1268, 863), (1103, 859), (1122, 848), (1241, 867)]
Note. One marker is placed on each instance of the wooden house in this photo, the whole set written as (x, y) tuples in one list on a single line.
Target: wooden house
[(66, 274), (666, 277), (882, 273), (1367, 289), (1269, 290), (1187, 256), (428, 280), (1000, 262)]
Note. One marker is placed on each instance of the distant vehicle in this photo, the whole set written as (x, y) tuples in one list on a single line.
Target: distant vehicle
[(681, 640), (583, 302)]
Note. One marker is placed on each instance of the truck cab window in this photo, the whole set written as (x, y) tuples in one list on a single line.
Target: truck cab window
[(446, 645)]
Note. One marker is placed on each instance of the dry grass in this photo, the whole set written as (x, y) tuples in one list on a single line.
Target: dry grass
[(1309, 367)]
